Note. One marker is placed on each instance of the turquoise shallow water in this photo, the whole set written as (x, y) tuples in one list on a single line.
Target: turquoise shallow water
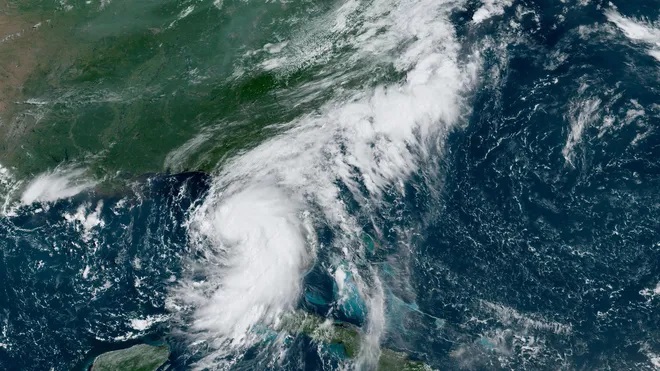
[(362, 185)]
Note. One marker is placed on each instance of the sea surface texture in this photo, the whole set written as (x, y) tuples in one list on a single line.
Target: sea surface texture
[(331, 185)]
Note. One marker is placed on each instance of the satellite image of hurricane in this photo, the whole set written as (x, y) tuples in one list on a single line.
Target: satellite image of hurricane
[(391, 185)]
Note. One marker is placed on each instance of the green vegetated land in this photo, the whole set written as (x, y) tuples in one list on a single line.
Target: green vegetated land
[(141, 357), (345, 339), (117, 86)]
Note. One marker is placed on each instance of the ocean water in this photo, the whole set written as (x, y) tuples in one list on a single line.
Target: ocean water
[(473, 184)]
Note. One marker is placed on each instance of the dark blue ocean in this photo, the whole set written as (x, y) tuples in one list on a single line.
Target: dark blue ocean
[(530, 240)]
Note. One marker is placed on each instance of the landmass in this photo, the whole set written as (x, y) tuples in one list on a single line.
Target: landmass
[(345, 338), (141, 357)]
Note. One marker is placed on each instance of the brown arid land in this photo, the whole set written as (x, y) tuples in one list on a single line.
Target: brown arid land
[(20, 46), (30, 44)]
